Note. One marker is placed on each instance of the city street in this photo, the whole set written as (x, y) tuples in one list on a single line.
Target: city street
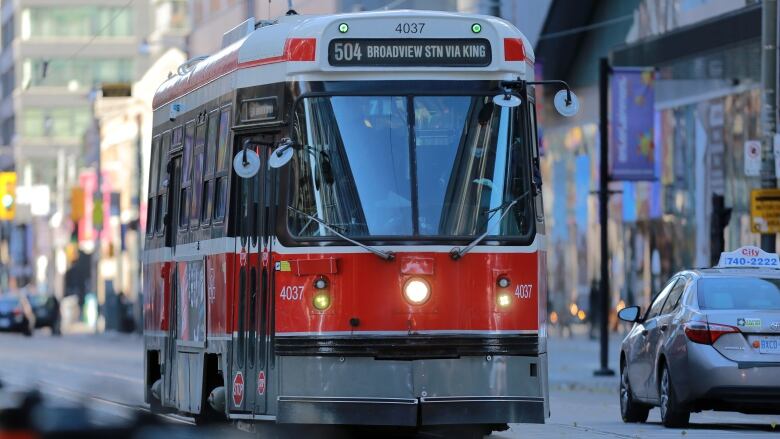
[(103, 372)]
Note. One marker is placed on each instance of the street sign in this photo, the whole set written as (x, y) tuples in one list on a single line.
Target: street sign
[(753, 158), (238, 389), (765, 210)]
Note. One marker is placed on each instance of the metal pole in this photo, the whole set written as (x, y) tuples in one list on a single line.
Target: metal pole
[(139, 297), (769, 104), (604, 70)]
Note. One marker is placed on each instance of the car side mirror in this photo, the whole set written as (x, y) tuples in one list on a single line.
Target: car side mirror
[(630, 314)]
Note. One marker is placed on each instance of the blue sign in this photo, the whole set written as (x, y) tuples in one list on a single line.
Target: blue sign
[(631, 140)]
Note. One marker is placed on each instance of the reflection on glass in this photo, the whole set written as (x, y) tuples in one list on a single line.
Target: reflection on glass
[(368, 169)]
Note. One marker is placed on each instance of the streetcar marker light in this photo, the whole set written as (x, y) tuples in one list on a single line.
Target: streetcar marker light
[(476, 28), (343, 28), (320, 283), (503, 282), (417, 291), (321, 301), (514, 50)]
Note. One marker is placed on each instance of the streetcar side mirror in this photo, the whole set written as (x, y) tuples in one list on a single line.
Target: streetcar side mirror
[(630, 314), (566, 102), (246, 163), (282, 154), (507, 100)]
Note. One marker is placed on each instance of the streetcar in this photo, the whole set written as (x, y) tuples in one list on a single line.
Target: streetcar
[(345, 226)]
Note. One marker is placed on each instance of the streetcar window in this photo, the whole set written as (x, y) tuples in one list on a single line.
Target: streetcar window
[(154, 166), (220, 201), (362, 173), (153, 170), (197, 175), (208, 179), (223, 166), (186, 163), (177, 136), (205, 213), (211, 144), (183, 197), (163, 161), (162, 204), (223, 162), (186, 174)]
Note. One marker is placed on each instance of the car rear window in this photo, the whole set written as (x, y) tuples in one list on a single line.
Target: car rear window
[(739, 293)]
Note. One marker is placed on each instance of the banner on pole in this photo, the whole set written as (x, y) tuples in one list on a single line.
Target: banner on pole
[(632, 147)]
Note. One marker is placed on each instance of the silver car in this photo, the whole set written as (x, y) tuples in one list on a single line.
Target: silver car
[(709, 341)]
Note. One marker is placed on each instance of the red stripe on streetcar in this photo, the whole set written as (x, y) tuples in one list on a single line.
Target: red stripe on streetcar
[(226, 62)]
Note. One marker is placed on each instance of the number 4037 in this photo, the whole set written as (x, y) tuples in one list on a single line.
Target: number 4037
[(291, 292)]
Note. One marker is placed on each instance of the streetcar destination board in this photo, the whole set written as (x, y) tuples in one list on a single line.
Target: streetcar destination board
[(424, 52)]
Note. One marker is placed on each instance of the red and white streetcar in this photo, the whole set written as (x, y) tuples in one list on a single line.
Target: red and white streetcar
[(345, 225)]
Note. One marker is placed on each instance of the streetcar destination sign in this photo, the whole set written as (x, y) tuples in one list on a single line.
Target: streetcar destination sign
[(425, 52)]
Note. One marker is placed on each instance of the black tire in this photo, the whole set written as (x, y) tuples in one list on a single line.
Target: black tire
[(673, 414), (630, 410)]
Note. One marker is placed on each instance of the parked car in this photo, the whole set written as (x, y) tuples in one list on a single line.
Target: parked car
[(709, 341), (16, 314), (46, 308)]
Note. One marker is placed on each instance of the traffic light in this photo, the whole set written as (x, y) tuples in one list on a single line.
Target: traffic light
[(7, 196)]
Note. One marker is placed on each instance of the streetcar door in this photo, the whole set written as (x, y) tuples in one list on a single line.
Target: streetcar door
[(171, 222), (247, 312)]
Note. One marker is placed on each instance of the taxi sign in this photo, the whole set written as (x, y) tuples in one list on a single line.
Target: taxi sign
[(748, 257)]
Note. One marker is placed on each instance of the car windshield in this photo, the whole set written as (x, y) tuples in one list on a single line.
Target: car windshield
[(739, 293), (409, 166)]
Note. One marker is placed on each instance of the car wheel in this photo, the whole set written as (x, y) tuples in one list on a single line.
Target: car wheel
[(630, 409), (672, 414)]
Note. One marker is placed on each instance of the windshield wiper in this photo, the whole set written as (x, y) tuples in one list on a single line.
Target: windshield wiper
[(387, 255), (457, 252)]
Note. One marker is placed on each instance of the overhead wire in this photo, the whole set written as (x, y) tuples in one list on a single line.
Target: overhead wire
[(576, 30)]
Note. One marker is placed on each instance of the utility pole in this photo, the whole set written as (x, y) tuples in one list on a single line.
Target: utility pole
[(604, 71), (769, 103)]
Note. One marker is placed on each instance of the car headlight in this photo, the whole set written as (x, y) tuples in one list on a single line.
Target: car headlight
[(417, 291)]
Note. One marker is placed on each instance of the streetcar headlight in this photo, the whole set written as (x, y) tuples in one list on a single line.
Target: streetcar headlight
[(321, 301), (417, 291), (504, 300)]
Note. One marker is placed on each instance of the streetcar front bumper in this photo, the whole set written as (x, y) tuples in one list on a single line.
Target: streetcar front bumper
[(491, 389), (410, 412)]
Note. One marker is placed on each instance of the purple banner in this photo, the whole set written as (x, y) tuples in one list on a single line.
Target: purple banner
[(631, 140)]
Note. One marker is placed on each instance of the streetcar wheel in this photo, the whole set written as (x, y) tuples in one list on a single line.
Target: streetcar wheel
[(630, 410)]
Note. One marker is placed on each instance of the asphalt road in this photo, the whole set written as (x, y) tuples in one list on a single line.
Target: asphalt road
[(104, 373)]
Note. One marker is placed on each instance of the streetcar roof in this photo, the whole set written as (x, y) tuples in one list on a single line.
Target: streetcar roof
[(297, 46)]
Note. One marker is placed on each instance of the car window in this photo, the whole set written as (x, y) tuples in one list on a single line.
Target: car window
[(742, 292), (658, 302), (674, 297)]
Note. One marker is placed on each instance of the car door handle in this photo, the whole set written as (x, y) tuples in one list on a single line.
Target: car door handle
[(664, 327)]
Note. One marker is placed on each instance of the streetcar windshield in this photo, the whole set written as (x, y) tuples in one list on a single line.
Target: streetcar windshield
[(409, 166)]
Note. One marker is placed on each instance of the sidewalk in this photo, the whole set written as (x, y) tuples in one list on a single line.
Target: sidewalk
[(572, 360)]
